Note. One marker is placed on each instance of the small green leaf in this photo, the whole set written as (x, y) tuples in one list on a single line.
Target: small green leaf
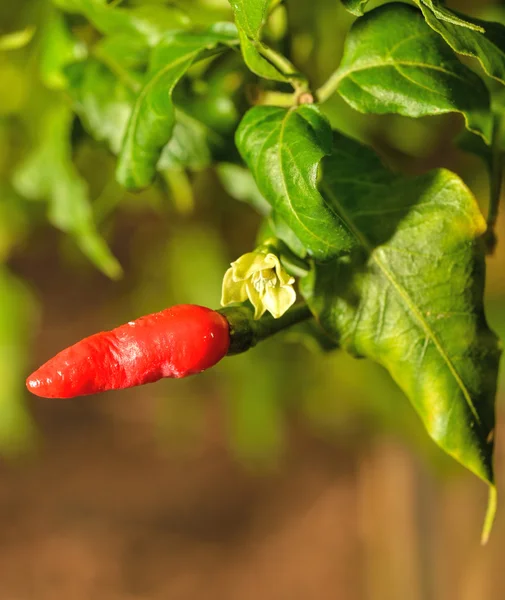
[(59, 48), (152, 120), (410, 295), (17, 39), (395, 63), (485, 41), (283, 149), (355, 7), (250, 16), (49, 173)]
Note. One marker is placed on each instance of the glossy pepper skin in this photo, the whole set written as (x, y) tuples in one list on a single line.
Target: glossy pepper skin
[(176, 342)]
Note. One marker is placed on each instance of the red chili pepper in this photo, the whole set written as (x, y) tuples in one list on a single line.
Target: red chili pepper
[(175, 342)]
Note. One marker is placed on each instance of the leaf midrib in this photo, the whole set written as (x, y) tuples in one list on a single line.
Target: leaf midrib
[(394, 63), (406, 299), (132, 128)]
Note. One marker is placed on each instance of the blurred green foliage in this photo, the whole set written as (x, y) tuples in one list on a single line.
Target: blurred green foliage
[(68, 73)]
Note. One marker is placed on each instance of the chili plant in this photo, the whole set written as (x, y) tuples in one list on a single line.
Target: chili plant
[(389, 266)]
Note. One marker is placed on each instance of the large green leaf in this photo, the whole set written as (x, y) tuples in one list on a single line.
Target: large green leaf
[(395, 63), (152, 120), (485, 41), (283, 148), (48, 173), (410, 295), (250, 16)]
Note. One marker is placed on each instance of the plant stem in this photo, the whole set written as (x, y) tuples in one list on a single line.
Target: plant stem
[(284, 66), (245, 332), (274, 98), (495, 185), (281, 63), (329, 87)]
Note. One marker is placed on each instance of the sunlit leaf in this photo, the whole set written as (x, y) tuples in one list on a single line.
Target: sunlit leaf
[(250, 16), (356, 7), (410, 295), (48, 173), (449, 16), (17, 39), (283, 149), (152, 120), (484, 41), (395, 63)]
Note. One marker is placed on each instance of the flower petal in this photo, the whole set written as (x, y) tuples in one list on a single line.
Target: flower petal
[(251, 263), (232, 291), (255, 299), (279, 299), (284, 277)]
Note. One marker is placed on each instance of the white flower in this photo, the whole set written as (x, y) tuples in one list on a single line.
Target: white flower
[(260, 277)]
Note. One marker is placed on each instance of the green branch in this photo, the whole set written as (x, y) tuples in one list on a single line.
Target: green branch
[(245, 332), (495, 186), (329, 87)]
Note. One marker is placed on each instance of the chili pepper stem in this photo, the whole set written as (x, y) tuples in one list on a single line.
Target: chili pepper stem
[(245, 332)]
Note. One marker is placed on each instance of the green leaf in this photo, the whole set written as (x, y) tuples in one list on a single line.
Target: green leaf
[(152, 120), (59, 48), (102, 102), (17, 39), (484, 41), (283, 149), (149, 22), (356, 7), (395, 63), (49, 173), (410, 296), (449, 16), (189, 145), (250, 16), (239, 184)]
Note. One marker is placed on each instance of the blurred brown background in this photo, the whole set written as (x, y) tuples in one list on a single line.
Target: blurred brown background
[(283, 473)]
